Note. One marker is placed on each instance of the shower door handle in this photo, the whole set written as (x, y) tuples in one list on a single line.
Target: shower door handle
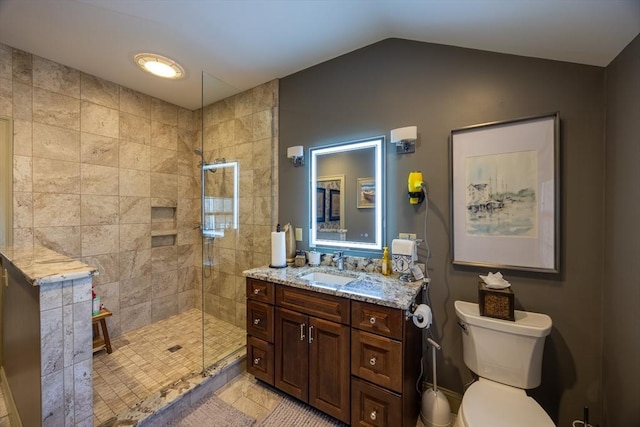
[(302, 326)]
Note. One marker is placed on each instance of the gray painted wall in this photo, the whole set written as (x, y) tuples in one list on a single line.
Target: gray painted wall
[(621, 290), (397, 83)]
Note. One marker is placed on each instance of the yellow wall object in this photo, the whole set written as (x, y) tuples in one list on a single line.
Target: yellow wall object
[(415, 182)]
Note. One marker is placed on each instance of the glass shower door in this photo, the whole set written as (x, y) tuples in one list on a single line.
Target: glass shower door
[(220, 204)]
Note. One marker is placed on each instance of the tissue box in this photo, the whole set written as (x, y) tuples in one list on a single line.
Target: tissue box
[(497, 303)]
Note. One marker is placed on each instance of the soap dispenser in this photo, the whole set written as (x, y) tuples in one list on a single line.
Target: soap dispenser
[(386, 265)]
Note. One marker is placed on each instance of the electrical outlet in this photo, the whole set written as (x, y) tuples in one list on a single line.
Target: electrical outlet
[(298, 234), (409, 236)]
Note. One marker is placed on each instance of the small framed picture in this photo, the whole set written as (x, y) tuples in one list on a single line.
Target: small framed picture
[(321, 196), (334, 205), (366, 193)]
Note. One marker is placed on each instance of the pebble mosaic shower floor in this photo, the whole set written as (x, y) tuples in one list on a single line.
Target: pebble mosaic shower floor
[(142, 362)]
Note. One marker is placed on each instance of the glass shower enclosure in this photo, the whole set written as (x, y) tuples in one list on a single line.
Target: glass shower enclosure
[(221, 296)]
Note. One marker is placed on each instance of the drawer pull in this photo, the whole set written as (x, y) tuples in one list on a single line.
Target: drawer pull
[(372, 320), (310, 334), (302, 326), (256, 361), (256, 291), (256, 321), (373, 416), (372, 361)]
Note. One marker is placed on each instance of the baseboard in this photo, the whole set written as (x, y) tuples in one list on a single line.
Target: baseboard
[(455, 399), (14, 417)]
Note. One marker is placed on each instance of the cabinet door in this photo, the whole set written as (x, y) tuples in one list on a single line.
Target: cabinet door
[(292, 353), (377, 359), (260, 320), (260, 359), (329, 368), (375, 407)]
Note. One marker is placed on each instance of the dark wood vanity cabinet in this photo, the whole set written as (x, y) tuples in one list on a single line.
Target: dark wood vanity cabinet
[(355, 361), (312, 349)]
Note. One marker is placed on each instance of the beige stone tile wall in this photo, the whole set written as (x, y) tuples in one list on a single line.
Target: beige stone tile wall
[(243, 128), (91, 159)]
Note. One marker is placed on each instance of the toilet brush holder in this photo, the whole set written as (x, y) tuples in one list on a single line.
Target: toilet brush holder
[(435, 410)]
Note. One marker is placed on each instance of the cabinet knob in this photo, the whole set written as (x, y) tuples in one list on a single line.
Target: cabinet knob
[(256, 361), (310, 334), (256, 291), (302, 326), (372, 320), (373, 416), (372, 361), (256, 321)]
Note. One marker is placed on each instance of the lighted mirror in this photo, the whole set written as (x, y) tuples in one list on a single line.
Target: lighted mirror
[(347, 195)]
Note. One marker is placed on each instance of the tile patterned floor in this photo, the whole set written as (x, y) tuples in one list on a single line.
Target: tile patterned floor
[(141, 362), (257, 399)]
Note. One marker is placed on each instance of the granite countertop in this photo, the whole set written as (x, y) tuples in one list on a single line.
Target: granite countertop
[(369, 287), (40, 265)]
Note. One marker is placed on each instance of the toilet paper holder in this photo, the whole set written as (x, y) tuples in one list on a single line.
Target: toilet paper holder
[(418, 318), (409, 313)]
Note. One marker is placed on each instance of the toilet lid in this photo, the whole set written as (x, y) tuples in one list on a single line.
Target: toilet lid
[(486, 403)]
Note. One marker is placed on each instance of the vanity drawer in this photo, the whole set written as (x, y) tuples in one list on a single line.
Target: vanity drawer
[(377, 359), (326, 307), (260, 290), (260, 362), (372, 406), (260, 320), (378, 319)]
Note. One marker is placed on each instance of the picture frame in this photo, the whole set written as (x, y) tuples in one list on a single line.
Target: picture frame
[(366, 193), (334, 205), (505, 201), (320, 205)]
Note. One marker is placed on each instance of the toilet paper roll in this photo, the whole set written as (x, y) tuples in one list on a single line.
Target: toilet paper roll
[(278, 249), (422, 316)]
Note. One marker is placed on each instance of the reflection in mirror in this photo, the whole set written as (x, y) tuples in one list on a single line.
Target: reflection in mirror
[(346, 185), (220, 186), (330, 205)]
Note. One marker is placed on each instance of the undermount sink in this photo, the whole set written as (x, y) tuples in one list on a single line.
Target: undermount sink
[(327, 278)]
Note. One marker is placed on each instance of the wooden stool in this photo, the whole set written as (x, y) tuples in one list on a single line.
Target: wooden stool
[(100, 342)]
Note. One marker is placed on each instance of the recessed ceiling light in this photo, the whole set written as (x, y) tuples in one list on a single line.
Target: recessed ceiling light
[(159, 65)]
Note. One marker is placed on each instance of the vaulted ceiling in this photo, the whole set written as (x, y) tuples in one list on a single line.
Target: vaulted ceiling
[(243, 43)]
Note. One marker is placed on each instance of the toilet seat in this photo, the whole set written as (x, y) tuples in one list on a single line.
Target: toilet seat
[(487, 403)]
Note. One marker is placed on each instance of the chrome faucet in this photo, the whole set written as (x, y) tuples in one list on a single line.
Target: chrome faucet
[(339, 258)]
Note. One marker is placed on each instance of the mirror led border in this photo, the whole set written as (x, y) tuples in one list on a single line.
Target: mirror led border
[(375, 143)]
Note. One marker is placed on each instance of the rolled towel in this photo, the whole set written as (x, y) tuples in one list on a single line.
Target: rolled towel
[(405, 247)]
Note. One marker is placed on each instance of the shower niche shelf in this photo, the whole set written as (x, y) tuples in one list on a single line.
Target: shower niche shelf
[(163, 226)]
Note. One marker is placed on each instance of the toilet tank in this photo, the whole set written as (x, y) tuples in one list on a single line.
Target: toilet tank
[(501, 350)]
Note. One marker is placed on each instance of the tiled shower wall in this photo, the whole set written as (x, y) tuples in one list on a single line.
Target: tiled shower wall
[(91, 159), (243, 128)]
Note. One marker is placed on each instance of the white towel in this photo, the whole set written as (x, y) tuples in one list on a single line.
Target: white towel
[(495, 281), (405, 247)]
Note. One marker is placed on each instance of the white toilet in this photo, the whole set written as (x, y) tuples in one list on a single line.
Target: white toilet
[(507, 356)]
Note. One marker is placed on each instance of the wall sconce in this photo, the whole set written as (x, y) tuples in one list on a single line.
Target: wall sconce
[(405, 139), (296, 154)]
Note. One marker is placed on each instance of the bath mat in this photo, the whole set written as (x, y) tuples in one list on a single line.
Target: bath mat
[(292, 413), (213, 411)]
